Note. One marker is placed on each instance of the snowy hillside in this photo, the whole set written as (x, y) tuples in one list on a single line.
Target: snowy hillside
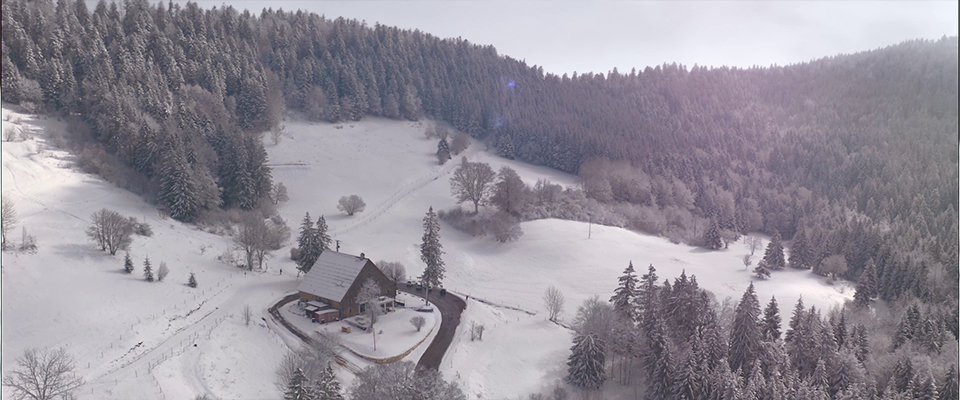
[(118, 327)]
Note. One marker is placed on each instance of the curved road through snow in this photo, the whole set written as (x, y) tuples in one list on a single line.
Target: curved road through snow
[(450, 306)]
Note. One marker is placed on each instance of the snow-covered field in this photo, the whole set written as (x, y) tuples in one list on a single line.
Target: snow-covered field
[(134, 339)]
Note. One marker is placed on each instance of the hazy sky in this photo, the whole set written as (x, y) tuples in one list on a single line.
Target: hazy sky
[(567, 36)]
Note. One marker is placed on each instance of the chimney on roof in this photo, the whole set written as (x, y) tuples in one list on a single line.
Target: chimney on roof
[(361, 256)]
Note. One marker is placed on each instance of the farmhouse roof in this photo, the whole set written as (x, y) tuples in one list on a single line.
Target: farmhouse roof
[(332, 275)]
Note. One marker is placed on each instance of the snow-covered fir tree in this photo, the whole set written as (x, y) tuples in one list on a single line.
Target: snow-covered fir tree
[(178, 191), (949, 390), (867, 286), (322, 236), (326, 386), (773, 257), (308, 245), (646, 298), (771, 321), (298, 388), (795, 321), (712, 238), (128, 264), (801, 254), (586, 365), (658, 362), (147, 270), (192, 282), (761, 271), (431, 251), (624, 295), (745, 337)]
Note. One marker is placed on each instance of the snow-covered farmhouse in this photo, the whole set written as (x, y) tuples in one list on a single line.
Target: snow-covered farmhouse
[(329, 291)]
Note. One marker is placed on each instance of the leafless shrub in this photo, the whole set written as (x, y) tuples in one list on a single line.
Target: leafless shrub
[(351, 205), (418, 322), (28, 243), (8, 219), (279, 193), (277, 133), (476, 331), (141, 228), (753, 243), (247, 314), (553, 300), (505, 227), (162, 271), (10, 134), (461, 141), (395, 271)]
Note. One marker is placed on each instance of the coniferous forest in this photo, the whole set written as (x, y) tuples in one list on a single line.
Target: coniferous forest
[(853, 157)]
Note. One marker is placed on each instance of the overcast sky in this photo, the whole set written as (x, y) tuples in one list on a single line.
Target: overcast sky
[(567, 36)]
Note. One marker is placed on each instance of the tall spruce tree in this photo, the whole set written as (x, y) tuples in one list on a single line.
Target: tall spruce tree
[(801, 253), (771, 321), (178, 191), (712, 238), (322, 236), (586, 366), (658, 362), (308, 245), (902, 374), (949, 390), (867, 286), (624, 295), (646, 298), (773, 257), (795, 321), (745, 346), (431, 251)]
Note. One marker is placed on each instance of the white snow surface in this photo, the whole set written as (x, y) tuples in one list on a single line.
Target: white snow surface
[(134, 339)]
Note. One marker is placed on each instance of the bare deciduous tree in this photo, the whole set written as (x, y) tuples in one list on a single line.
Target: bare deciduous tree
[(162, 271), (460, 142), (258, 237), (418, 322), (476, 331), (279, 193), (276, 134), (351, 204), (472, 182), (833, 266), (753, 243), (747, 261), (553, 300), (368, 296), (8, 219), (247, 314), (395, 271), (110, 230), (43, 374), (505, 227)]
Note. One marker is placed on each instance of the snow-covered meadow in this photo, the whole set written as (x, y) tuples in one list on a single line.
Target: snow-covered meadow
[(134, 339)]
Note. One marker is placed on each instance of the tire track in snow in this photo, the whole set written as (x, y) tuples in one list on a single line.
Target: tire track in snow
[(139, 369), (401, 194)]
